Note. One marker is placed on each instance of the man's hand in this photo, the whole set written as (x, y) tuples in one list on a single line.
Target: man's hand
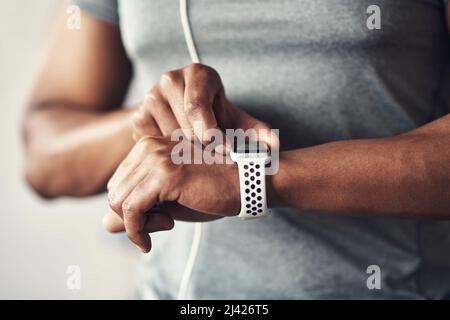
[(160, 219), (192, 98), (148, 176)]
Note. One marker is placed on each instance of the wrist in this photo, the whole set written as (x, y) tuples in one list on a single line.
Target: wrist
[(278, 185), (235, 187)]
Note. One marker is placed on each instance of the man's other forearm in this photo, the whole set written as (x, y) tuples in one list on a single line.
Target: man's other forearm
[(72, 152), (403, 176)]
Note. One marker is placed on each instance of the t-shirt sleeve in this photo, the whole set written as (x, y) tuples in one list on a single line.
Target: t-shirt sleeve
[(106, 10)]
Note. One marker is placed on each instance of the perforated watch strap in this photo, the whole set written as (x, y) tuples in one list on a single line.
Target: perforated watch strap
[(252, 181)]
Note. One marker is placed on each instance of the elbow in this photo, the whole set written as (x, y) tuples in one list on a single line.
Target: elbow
[(35, 174), (50, 169), (40, 168), (47, 174), (40, 182), (48, 178)]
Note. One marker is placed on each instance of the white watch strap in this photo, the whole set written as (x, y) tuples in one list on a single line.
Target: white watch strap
[(252, 181)]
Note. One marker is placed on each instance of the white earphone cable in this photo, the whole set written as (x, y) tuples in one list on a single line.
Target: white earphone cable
[(186, 277), (188, 32)]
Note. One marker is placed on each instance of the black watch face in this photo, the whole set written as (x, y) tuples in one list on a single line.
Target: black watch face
[(251, 147)]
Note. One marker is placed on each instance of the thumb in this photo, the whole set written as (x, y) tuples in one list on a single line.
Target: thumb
[(112, 222)]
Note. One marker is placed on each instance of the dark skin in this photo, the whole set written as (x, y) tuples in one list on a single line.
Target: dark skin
[(74, 132), (73, 116), (403, 176)]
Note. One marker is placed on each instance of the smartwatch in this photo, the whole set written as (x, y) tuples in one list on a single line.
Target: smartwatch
[(251, 159)]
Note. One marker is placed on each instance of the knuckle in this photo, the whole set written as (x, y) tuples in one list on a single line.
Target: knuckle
[(138, 119), (143, 142), (145, 145), (151, 97), (128, 208), (169, 78), (199, 71), (115, 203), (196, 67), (193, 107), (203, 70)]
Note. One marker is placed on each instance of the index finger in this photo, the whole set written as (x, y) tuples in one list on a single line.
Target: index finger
[(202, 85)]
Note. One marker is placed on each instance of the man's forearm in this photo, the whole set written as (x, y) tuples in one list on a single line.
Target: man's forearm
[(403, 176), (73, 153)]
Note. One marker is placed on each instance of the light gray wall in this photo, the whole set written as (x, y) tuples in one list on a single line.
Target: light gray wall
[(39, 240)]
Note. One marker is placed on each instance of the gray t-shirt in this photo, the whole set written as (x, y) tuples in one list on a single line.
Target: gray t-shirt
[(314, 70)]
